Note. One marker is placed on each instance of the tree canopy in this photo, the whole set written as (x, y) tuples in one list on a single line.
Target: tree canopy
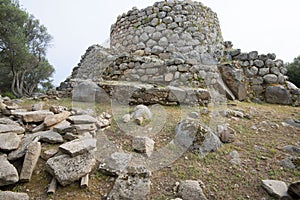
[(294, 71), (23, 45)]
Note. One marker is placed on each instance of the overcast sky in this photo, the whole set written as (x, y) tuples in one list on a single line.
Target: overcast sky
[(267, 26)]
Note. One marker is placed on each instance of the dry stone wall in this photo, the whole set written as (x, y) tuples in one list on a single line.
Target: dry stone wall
[(169, 26)]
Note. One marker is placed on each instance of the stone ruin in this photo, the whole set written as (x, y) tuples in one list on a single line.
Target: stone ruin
[(178, 46)]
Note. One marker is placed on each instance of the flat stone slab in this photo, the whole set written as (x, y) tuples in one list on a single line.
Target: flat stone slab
[(275, 188), (33, 116), (8, 173), (67, 169), (79, 146), (32, 155), (8, 195), (9, 141), (11, 128), (82, 119), (191, 190), (57, 118), (62, 126), (45, 136)]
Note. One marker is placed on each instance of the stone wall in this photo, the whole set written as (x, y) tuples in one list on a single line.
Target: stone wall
[(187, 27)]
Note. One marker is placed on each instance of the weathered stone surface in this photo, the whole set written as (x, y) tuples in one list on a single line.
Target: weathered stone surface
[(191, 190), (126, 118), (48, 153), (294, 190), (46, 136), (31, 157), (33, 116), (234, 80), (270, 78), (37, 106), (141, 111), (58, 109), (79, 146), (116, 163), (235, 157), (8, 173), (275, 188), (292, 149), (143, 145), (68, 169), (133, 185), (57, 118), (82, 119), (8, 195), (82, 128), (278, 95), (62, 126), (226, 134), (9, 141), (10, 128)]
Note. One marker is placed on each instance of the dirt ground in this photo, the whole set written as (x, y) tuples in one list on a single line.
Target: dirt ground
[(259, 142)]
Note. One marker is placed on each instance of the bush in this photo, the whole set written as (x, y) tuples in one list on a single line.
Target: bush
[(294, 71)]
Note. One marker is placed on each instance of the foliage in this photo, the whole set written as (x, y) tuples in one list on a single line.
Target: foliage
[(23, 45), (294, 71)]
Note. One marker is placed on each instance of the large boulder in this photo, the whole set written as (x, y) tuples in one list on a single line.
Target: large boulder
[(8, 173), (234, 80), (278, 95), (67, 169)]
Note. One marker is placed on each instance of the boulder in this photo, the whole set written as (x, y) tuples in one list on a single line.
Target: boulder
[(294, 190), (270, 79), (191, 190), (31, 157), (8, 195), (78, 146), (67, 169), (278, 95), (8, 173), (33, 116), (141, 111), (143, 145), (234, 80), (226, 134), (9, 141), (135, 184), (275, 188)]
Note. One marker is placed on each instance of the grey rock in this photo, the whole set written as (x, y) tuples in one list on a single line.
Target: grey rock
[(287, 163), (263, 71), (62, 126), (82, 128), (144, 37), (33, 116), (11, 128), (176, 94), (157, 49), (115, 164), (58, 109), (133, 185), (263, 57), (292, 149), (9, 141), (207, 59), (126, 118), (49, 153), (270, 78), (235, 157), (46, 136), (275, 70), (168, 20), (191, 190), (37, 106), (8, 173), (8, 195), (31, 157), (143, 145), (294, 190), (151, 43), (252, 71), (226, 134), (234, 52), (163, 42), (271, 56), (68, 169), (275, 188), (278, 95), (269, 63), (258, 63), (141, 111), (253, 55), (82, 119), (242, 57), (78, 147), (57, 118)]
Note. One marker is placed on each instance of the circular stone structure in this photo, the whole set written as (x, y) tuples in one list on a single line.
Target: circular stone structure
[(187, 27)]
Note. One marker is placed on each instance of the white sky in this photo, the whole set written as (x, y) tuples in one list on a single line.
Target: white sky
[(268, 26)]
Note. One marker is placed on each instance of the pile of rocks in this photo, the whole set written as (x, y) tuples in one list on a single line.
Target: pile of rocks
[(258, 77)]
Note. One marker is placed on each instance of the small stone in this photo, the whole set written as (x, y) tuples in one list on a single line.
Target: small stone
[(270, 78), (143, 145), (275, 188), (235, 157), (126, 118), (57, 109), (82, 119), (191, 190)]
